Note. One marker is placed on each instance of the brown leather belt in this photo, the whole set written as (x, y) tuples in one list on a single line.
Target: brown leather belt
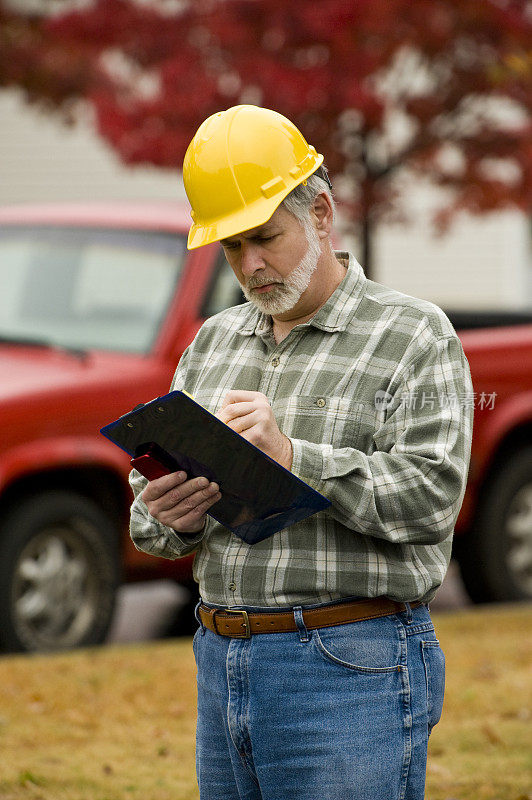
[(241, 624)]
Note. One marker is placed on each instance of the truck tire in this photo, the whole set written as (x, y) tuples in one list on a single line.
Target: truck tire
[(184, 622), (59, 573), (495, 556)]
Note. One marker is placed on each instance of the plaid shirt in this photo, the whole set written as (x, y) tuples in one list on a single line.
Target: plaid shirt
[(375, 394)]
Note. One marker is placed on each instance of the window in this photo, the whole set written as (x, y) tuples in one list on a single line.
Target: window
[(224, 290), (86, 288)]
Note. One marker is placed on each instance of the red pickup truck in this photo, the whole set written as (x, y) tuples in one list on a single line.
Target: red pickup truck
[(97, 303)]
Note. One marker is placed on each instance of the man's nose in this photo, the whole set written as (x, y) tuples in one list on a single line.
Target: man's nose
[(250, 258)]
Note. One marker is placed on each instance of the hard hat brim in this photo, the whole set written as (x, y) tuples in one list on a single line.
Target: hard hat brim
[(250, 216)]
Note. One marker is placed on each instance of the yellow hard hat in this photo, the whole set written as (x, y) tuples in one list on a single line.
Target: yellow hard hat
[(239, 167)]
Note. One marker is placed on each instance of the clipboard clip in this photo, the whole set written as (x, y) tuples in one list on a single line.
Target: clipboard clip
[(153, 462)]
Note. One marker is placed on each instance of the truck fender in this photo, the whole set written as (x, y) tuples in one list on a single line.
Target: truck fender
[(60, 452), (497, 423)]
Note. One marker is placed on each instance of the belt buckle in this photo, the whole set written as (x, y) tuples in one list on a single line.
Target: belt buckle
[(245, 624)]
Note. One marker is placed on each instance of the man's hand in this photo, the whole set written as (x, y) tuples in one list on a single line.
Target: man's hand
[(179, 503), (250, 414)]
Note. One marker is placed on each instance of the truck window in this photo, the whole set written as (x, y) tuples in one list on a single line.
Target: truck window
[(224, 290), (86, 288)]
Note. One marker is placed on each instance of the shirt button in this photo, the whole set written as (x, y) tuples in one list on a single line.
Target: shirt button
[(320, 402), (275, 361), (232, 587)]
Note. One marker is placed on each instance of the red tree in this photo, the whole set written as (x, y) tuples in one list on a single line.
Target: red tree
[(438, 88)]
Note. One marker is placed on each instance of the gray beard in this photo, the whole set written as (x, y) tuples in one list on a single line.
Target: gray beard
[(285, 295)]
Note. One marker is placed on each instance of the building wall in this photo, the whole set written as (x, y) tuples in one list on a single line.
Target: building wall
[(42, 160), (481, 263)]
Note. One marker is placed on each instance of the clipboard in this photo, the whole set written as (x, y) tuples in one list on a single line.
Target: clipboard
[(259, 496)]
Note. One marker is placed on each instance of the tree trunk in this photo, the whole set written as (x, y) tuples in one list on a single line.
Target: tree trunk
[(366, 236)]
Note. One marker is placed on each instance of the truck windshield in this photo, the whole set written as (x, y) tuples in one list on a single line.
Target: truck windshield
[(86, 288)]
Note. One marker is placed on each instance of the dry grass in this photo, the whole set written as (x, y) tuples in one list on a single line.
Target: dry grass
[(118, 722), (481, 750), (100, 724)]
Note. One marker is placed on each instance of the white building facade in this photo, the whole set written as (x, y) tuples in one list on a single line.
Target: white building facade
[(482, 263)]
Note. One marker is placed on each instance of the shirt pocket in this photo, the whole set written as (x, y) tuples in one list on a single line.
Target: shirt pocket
[(337, 421)]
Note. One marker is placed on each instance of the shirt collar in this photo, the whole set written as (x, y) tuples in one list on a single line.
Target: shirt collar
[(334, 315)]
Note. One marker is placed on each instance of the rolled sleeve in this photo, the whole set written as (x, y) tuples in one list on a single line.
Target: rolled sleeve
[(308, 461), (147, 533)]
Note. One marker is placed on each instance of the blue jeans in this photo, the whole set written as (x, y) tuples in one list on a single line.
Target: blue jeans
[(339, 713)]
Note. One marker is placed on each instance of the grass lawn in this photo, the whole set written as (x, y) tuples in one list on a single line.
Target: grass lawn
[(118, 722)]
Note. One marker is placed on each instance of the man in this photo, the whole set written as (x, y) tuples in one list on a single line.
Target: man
[(359, 390)]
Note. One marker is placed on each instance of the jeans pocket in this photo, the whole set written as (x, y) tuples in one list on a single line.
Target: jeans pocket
[(434, 662), (372, 646)]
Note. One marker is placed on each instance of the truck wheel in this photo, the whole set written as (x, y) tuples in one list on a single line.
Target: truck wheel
[(59, 573), (184, 622), (495, 557)]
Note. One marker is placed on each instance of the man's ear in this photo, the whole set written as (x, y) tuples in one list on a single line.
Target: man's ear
[(322, 215)]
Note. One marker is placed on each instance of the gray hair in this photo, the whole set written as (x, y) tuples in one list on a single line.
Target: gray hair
[(300, 199)]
